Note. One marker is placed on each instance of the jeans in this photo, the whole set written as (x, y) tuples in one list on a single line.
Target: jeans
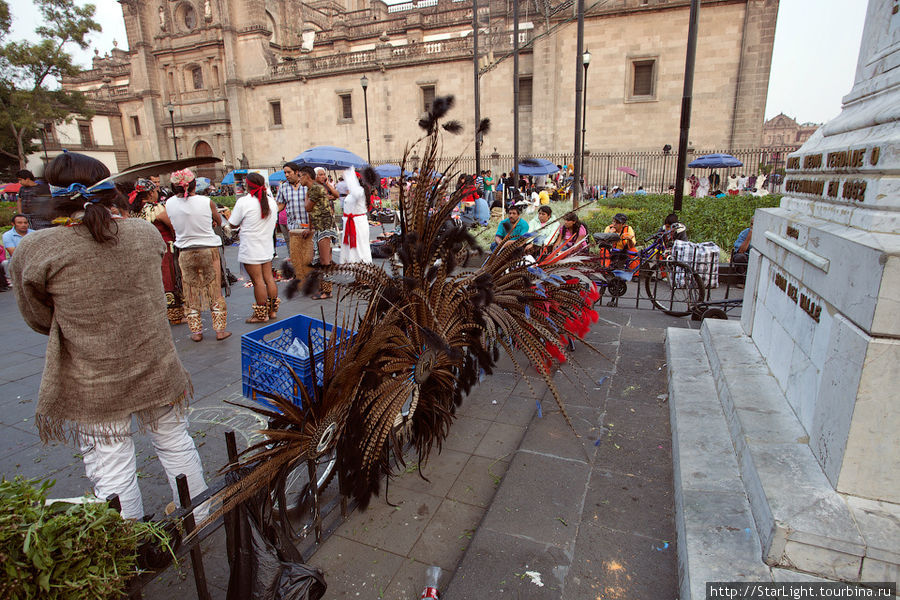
[(489, 196), (111, 465)]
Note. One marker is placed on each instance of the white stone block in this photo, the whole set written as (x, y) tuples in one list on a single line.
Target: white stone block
[(837, 395), (802, 387), (871, 460)]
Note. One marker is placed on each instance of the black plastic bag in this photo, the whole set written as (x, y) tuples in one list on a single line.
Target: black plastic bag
[(265, 564)]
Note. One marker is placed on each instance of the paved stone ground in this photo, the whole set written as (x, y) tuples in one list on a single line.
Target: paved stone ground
[(513, 490)]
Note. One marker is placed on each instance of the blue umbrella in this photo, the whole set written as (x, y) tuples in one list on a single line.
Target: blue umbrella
[(329, 157), (390, 170), (276, 177), (715, 161), (537, 166), (229, 178)]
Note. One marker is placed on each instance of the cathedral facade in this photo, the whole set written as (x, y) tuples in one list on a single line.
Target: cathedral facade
[(259, 81)]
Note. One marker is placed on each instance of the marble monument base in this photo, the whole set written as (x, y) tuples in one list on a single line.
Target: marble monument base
[(752, 500)]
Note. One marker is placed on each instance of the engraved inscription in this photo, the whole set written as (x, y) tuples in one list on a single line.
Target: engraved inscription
[(805, 186), (834, 187), (813, 161), (811, 308), (846, 159), (854, 190), (807, 303), (793, 162), (793, 232), (875, 155)]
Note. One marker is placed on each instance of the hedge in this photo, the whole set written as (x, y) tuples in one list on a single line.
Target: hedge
[(718, 220)]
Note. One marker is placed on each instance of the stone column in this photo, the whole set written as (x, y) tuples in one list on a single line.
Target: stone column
[(823, 289)]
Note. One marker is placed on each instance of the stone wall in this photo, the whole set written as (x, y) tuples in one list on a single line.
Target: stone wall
[(243, 74)]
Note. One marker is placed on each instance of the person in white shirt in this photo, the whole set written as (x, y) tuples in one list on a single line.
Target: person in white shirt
[(192, 218), (355, 241), (257, 214)]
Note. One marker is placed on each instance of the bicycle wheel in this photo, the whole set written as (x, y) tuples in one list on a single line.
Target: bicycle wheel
[(673, 287), (298, 489)]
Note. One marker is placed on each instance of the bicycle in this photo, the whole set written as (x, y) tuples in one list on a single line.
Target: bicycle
[(671, 286)]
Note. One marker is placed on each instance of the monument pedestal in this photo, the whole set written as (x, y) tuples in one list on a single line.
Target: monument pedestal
[(806, 385)]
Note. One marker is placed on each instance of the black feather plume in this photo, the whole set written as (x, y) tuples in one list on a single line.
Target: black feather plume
[(454, 127)]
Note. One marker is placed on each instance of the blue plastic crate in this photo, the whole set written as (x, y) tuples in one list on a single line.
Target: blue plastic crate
[(264, 357)]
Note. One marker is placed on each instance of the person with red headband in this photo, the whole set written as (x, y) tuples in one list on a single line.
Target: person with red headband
[(257, 214)]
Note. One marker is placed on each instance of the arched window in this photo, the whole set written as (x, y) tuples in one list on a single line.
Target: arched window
[(197, 77), (270, 20)]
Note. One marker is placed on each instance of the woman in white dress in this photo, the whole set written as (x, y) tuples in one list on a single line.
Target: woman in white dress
[(355, 242), (257, 214)]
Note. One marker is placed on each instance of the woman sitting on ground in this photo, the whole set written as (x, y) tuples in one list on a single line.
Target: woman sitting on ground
[(257, 214), (571, 237)]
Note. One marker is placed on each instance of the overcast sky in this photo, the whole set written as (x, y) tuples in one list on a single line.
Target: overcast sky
[(814, 61)]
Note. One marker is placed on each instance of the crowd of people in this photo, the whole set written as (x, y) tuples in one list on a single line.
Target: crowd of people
[(85, 260)]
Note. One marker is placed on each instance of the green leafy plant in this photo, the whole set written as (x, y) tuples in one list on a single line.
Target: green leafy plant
[(62, 550)]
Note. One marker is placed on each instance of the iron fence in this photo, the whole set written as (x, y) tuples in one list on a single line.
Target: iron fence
[(655, 170)]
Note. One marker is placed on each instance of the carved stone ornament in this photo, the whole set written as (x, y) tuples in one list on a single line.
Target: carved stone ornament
[(162, 19)]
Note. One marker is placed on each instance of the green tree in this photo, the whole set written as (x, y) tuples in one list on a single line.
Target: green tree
[(28, 70)]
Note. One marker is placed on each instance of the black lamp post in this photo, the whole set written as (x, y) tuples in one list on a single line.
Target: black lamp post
[(171, 109), (364, 82), (586, 61)]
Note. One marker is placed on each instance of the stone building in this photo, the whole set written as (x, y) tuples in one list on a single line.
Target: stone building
[(781, 130), (266, 79)]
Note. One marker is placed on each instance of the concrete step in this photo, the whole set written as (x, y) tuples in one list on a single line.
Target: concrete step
[(717, 536), (802, 522)]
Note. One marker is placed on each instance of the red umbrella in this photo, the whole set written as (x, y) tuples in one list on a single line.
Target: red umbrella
[(10, 188), (628, 170)]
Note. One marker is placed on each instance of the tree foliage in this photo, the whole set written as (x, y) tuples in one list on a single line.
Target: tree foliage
[(29, 72)]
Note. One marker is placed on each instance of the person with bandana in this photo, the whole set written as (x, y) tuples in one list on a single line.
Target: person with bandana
[(192, 217), (144, 203), (257, 214), (93, 287)]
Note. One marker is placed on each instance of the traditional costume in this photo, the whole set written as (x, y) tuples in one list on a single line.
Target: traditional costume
[(99, 370), (355, 242), (198, 256)]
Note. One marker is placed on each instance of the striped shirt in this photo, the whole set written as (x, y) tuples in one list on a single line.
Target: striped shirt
[(294, 201)]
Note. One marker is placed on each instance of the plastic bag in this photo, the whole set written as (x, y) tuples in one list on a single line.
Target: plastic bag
[(298, 349), (265, 565)]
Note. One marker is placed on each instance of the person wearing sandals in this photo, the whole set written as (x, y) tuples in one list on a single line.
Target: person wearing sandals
[(94, 288), (321, 220), (144, 203), (257, 214), (192, 217)]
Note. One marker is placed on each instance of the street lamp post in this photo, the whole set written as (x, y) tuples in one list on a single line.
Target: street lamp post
[(171, 109), (364, 82), (586, 61)]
